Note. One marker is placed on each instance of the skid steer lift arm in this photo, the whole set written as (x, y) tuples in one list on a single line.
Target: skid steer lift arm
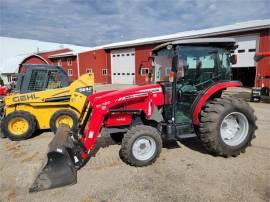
[(69, 151)]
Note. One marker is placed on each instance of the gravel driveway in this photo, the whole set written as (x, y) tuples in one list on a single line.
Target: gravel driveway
[(183, 172)]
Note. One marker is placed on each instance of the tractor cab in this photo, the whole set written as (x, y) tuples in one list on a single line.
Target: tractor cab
[(186, 69)]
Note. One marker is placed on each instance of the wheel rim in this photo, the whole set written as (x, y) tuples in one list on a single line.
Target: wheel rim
[(64, 119), (144, 148), (18, 126), (234, 128)]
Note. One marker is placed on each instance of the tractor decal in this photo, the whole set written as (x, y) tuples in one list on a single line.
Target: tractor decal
[(132, 96)]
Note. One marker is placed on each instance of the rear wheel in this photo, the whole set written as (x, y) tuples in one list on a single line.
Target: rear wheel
[(66, 117), (18, 125), (227, 126), (141, 146)]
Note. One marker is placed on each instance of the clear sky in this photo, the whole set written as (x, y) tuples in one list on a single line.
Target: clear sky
[(98, 22)]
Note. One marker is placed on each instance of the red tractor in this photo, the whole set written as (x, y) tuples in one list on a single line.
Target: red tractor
[(185, 100), (4, 90)]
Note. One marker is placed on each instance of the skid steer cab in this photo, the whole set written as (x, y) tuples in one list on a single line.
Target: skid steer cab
[(185, 100), (33, 78)]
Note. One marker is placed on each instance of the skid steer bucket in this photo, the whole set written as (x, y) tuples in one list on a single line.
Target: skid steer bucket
[(58, 169)]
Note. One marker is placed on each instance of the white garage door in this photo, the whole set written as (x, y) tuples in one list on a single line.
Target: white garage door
[(123, 66), (247, 46)]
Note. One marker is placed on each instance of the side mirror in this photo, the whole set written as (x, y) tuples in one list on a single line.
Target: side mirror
[(233, 59)]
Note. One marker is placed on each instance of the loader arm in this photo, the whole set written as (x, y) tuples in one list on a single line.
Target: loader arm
[(102, 108), (69, 151)]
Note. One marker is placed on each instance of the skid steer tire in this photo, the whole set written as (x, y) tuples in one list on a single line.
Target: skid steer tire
[(68, 117), (141, 146), (227, 126), (19, 125)]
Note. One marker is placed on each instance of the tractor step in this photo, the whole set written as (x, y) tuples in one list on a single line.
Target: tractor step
[(185, 136)]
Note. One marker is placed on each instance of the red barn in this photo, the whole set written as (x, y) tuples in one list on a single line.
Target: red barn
[(63, 57), (120, 62)]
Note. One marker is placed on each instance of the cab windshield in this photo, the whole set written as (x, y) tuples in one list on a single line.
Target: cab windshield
[(196, 63)]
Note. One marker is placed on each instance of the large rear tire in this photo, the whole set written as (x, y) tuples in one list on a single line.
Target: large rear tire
[(141, 146), (18, 125), (227, 126)]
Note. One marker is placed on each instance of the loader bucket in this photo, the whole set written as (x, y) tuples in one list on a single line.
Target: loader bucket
[(58, 169)]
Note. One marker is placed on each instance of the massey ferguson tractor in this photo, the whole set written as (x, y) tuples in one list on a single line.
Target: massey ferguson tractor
[(184, 100)]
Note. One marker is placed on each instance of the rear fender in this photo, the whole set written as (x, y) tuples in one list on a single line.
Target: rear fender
[(207, 94)]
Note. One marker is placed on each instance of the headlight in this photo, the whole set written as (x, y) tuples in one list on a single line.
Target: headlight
[(88, 90)]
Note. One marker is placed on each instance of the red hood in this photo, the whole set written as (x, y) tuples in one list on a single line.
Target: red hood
[(102, 97), (3, 90)]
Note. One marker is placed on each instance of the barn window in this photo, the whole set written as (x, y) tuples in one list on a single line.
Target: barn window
[(104, 72), (69, 61), (70, 72), (127, 54), (13, 78), (89, 70), (144, 71), (241, 51), (59, 62)]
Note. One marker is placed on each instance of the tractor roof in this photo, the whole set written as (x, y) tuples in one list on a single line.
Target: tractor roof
[(224, 42)]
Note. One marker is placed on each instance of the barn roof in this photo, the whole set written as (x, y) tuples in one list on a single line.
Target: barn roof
[(228, 29)]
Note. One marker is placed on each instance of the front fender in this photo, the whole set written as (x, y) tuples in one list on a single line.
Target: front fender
[(204, 97)]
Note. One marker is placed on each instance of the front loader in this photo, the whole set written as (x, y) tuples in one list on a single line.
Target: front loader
[(185, 100)]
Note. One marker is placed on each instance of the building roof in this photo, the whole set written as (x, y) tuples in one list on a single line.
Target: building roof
[(13, 51), (228, 29), (60, 55), (223, 41)]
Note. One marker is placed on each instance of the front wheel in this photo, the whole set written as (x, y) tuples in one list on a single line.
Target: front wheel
[(64, 116), (227, 126), (18, 125), (141, 146)]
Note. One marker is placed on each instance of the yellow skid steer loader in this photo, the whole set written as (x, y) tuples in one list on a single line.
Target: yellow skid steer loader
[(26, 112)]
